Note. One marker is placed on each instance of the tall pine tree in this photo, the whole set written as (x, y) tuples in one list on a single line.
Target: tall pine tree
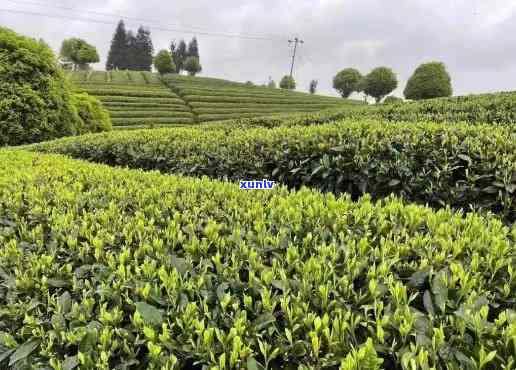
[(173, 48), (193, 48), (143, 50), (118, 52), (180, 56), (131, 60)]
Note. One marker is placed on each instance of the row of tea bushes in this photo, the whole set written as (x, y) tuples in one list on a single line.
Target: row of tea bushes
[(496, 108), (116, 269), (462, 166), (125, 93)]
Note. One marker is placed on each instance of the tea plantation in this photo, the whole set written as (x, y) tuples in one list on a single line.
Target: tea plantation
[(146, 99), (134, 98), (388, 242), (123, 269)]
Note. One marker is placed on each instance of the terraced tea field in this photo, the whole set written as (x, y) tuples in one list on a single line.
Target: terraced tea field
[(215, 99), (141, 98), (134, 98)]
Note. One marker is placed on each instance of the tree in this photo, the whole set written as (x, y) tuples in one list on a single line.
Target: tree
[(142, 50), (192, 66), (164, 63), (79, 53), (131, 52), (430, 80), (118, 53), (379, 82), (313, 86), (193, 49), (36, 101), (347, 81), (180, 56), (271, 84), (288, 83), (173, 48), (249, 83)]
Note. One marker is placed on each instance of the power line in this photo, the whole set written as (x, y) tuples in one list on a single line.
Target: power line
[(118, 15), (179, 30)]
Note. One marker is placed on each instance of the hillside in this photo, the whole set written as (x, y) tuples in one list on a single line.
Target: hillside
[(134, 98), (216, 99), (142, 98)]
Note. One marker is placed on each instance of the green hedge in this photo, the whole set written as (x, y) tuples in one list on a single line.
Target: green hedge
[(109, 268), (496, 108), (94, 117), (150, 114), (242, 99), (35, 99), (462, 166), (117, 107), (139, 100), (124, 121), (134, 93)]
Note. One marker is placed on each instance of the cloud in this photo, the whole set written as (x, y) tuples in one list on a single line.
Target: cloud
[(474, 38)]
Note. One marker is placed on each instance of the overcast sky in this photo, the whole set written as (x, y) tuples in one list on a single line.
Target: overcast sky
[(475, 39)]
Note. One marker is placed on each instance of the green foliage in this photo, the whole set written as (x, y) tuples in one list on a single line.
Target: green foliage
[(347, 81), (439, 165), (111, 268), (180, 54), (94, 117), (497, 108), (79, 52), (288, 83), (135, 98), (379, 82), (142, 52), (119, 50), (430, 80), (193, 49), (192, 66), (164, 63), (34, 95), (392, 100), (271, 84), (129, 51), (313, 86)]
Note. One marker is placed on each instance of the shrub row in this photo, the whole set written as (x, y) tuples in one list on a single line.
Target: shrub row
[(236, 105), (132, 93), (466, 167), (148, 120), (259, 93), (120, 86), (109, 268), (260, 110), (150, 114), (155, 108), (497, 108), (140, 100), (257, 100)]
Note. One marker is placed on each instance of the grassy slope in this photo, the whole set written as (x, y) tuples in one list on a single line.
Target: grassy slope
[(135, 98), (139, 98)]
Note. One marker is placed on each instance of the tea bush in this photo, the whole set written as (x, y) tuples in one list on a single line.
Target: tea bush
[(115, 269), (463, 166), (94, 117), (35, 100)]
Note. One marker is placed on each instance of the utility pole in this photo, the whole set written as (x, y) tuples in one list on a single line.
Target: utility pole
[(295, 41)]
